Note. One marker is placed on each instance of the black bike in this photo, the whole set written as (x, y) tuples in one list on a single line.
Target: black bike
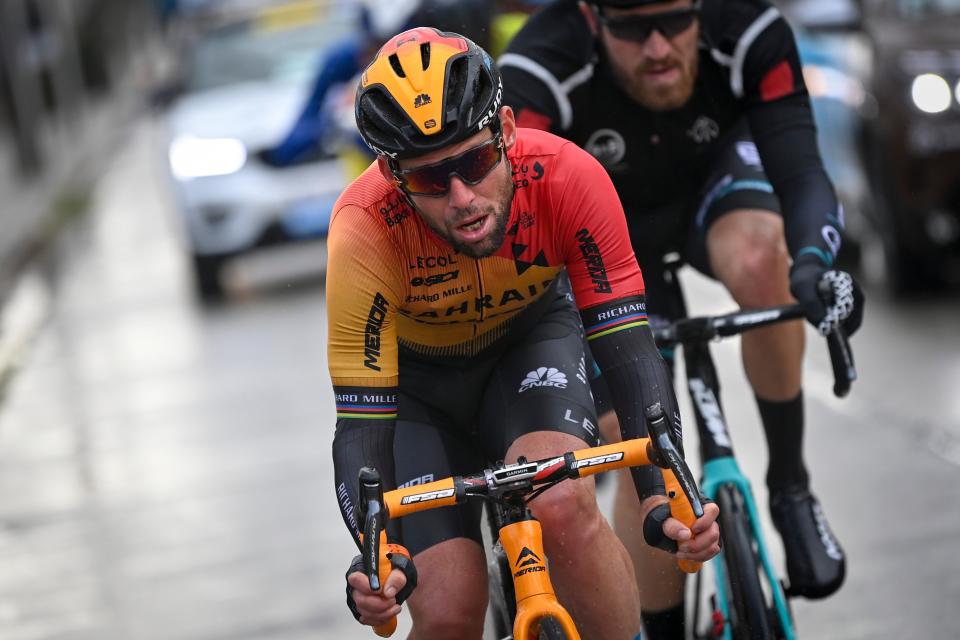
[(749, 601)]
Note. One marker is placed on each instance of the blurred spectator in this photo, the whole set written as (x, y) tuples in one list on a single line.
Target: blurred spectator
[(511, 14), (378, 21)]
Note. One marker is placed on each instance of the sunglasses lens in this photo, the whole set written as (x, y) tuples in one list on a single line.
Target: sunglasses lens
[(471, 166), (428, 181), (670, 26), (474, 166), (639, 28), (638, 31)]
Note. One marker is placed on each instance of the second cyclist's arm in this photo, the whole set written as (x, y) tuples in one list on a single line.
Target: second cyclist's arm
[(782, 124)]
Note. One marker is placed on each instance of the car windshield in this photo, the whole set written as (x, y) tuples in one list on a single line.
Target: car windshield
[(252, 52), (926, 8)]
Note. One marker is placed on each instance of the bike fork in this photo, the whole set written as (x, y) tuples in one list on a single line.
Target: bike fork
[(523, 545)]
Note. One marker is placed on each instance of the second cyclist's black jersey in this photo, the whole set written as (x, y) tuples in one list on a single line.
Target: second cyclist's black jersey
[(556, 77)]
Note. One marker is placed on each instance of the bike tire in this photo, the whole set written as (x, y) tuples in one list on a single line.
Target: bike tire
[(749, 612), (551, 629)]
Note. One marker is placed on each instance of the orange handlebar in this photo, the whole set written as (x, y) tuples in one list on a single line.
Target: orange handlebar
[(403, 502), (629, 453)]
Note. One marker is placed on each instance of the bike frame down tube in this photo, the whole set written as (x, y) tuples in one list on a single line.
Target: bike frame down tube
[(720, 468)]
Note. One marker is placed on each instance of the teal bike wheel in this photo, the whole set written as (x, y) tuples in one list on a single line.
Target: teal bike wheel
[(749, 613)]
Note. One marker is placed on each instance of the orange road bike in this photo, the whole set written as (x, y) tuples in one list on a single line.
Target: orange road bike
[(519, 560)]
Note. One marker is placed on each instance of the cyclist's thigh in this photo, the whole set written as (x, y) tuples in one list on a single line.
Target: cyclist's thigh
[(540, 384), (425, 452), (438, 405), (735, 181)]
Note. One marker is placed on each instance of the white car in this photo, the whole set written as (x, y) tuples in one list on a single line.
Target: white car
[(245, 85)]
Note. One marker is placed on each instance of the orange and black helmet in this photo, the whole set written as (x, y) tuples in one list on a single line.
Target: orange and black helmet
[(426, 89)]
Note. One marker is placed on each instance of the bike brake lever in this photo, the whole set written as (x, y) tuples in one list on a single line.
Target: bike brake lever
[(371, 503), (374, 514), (668, 457)]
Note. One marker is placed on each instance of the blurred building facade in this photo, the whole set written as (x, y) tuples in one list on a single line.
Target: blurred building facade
[(63, 66)]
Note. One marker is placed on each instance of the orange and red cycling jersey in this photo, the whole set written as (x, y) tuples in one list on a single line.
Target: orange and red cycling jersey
[(392, 283)]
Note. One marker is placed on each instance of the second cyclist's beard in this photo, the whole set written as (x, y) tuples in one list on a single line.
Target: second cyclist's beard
[(500, 211), (660, 96)]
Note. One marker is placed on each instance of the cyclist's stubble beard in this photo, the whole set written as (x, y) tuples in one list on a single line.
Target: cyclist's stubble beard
[(500, 210), (658, 97)]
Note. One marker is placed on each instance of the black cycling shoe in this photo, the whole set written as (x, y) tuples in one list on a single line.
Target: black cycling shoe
[(816, 563)]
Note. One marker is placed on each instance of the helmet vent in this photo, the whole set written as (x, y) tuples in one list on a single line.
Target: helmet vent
[(457, 82), (395, 63), (425, 55)]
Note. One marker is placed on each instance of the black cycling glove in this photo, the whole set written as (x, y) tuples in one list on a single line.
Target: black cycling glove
[(653, 527), (399, 561), (806, 279)]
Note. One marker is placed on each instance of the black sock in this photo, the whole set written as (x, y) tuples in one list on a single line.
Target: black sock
[(783, 424), (664, 625)]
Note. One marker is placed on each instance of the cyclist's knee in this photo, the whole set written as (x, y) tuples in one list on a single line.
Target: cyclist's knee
[(568, 513), (610, 427), (755, 269)]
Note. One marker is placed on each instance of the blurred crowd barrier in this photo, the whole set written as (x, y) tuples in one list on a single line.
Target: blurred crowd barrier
[(64, 67)]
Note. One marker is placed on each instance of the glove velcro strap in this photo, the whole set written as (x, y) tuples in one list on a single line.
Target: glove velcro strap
[(653, 529)]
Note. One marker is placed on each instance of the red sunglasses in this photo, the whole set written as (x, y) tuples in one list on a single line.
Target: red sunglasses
[(471, 166)]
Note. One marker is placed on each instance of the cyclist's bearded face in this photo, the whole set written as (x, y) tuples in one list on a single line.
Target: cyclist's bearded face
[(659, 71), (471, 218)]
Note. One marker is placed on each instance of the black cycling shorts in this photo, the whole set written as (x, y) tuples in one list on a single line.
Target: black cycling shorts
[(734, 180), (457, 420)]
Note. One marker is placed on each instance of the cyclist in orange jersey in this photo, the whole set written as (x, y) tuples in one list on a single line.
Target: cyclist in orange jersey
[(468, 268)]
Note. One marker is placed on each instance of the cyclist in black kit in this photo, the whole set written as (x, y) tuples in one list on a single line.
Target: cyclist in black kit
[(699, 113)]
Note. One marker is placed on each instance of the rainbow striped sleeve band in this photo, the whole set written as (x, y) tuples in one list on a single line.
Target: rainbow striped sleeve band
[(624, 314), (366, 403)]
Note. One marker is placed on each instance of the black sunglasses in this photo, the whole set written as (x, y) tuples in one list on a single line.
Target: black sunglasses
[(638, 28), (471, 166)]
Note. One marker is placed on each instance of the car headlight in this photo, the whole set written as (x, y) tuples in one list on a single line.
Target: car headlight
[(192, 157), (931, 93)]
